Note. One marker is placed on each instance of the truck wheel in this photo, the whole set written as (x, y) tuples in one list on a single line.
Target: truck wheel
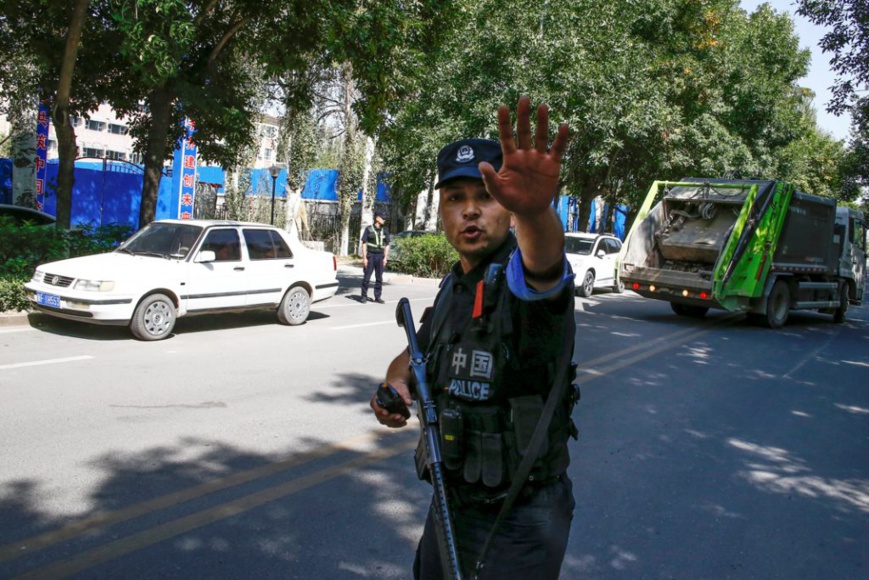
[(587, 286), (154, 318), (839, 314), (778, 305), (688, 310), (295, 306), (619, 287)]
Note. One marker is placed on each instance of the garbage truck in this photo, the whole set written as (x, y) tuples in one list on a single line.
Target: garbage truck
[(755, 246)]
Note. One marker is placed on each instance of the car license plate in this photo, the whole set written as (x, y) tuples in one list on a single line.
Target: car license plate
[(52, 300)]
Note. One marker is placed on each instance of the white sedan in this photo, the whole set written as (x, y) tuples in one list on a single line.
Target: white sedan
[(172, 268), (593, 259)]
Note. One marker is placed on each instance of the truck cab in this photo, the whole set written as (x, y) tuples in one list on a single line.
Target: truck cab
[(849, 238)]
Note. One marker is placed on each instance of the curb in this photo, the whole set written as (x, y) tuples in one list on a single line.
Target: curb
[(388, 277), (14, 319)]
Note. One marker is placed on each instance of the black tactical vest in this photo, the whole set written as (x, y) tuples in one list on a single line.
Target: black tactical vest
[(488, 389)]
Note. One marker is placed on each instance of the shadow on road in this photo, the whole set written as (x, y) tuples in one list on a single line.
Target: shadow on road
[(223, 512)]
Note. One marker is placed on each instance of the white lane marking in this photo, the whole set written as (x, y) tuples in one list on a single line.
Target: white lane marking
[(362, 325), (50, 361)]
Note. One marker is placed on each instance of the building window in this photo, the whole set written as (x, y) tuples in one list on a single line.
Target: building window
[(117, 129), (117, 155), (75, 121), (267, 154), (92, 152), (95, 125), (52, 145)]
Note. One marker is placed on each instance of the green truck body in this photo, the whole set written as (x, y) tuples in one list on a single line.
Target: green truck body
[(754, 246)]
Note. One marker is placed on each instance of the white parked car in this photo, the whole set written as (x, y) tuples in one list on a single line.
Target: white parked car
[(173, 268), (593, 259)]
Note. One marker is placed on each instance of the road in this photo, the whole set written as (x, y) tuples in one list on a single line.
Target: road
[(242, 448)]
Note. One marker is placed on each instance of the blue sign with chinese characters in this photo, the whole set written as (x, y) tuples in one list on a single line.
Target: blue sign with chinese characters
[(41, 153), (184, 171)]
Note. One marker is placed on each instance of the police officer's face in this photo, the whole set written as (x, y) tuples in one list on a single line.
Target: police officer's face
[(474, 222)]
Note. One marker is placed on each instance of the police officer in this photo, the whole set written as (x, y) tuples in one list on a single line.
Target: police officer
[(494, 342), (375, 253)]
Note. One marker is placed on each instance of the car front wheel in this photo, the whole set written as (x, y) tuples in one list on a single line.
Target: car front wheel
[(587, 286), (295, 306), (154, 318)]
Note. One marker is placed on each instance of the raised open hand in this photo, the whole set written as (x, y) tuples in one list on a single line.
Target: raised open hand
[(528, 179)]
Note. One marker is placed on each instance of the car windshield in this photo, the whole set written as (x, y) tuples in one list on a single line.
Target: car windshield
[(163, 240), (578, 245)]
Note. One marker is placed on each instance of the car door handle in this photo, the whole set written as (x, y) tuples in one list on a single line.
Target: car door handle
[(239, 268), (289, 265)]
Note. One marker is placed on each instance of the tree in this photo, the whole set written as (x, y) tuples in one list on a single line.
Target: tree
[(184, 54), (38, 65), (188, 59), (848, 44), (651, 89), (352, 162)]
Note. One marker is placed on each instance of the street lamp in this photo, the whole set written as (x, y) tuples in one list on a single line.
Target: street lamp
[(274, 170)]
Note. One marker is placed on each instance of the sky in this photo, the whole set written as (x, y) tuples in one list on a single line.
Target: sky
[(820, 77)]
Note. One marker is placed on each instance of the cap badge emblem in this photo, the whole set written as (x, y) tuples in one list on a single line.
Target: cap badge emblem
[(465, 154)]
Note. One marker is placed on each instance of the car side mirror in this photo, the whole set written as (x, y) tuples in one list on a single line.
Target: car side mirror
[(600, 253), (205, 256)]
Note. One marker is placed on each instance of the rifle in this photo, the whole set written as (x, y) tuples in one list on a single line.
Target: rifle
[(428, 419)]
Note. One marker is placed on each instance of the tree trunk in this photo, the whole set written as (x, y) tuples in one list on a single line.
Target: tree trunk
[(160, 106), (66, 148), (433, 207), (350, 169), (66, 154)]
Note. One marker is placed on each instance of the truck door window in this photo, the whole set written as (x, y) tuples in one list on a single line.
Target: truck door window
[(858, 234)]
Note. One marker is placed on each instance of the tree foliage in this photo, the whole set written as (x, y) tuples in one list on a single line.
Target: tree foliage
[(651, 88), (39, 64), (657, 89), (847, 41)]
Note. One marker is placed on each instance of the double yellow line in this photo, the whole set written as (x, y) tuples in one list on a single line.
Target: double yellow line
[(587, 372), (179, 526)]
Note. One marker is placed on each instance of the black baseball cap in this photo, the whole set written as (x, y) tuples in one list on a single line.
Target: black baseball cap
[(462, 158)]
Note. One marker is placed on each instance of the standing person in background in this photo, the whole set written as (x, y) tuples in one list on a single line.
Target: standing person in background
[(375, 253), (498, 344)]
